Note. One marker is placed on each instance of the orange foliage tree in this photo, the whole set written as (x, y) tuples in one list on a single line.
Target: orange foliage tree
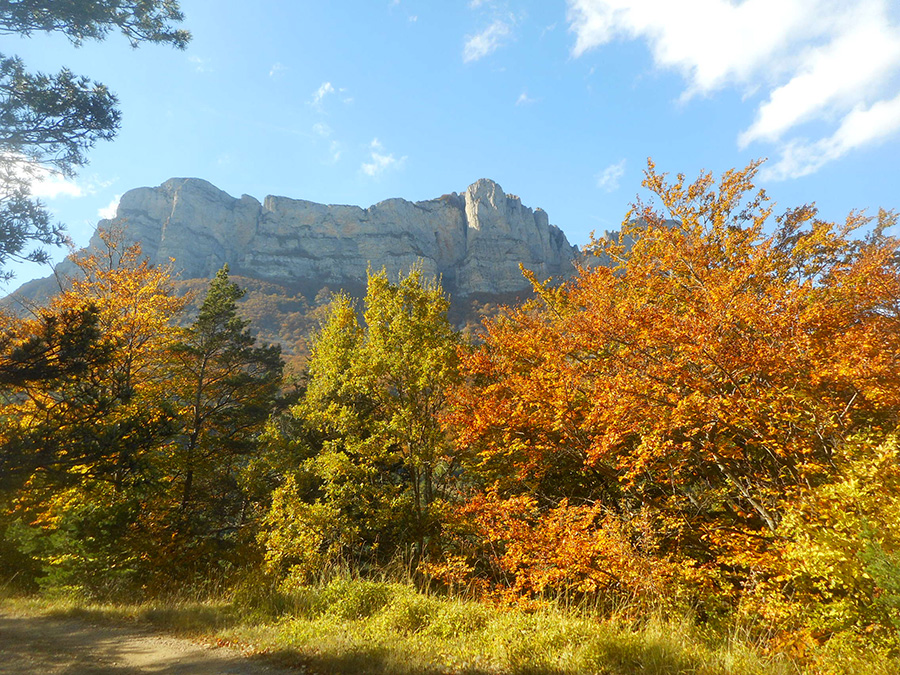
[(92, 412), (700, 378), (86, 413)]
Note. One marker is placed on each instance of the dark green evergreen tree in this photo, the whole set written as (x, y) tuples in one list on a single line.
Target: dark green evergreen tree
[(227, 386)]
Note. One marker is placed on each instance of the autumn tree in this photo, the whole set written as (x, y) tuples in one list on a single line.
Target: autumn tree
[(86, 377), (87, 417), (49, 353), (48, 122), (708, 373), (375, 394)]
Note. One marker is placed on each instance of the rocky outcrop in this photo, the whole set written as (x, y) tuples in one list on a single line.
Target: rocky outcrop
[(475, 240)]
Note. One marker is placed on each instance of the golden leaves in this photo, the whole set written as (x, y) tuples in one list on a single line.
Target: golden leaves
[(713, 366)]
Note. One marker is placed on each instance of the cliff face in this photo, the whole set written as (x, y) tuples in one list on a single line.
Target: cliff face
[(474, 240)]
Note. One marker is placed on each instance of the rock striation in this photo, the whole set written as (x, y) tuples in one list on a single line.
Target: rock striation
[(475, 240)]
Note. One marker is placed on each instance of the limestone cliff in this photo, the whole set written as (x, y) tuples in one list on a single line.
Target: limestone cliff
[(474, 240)]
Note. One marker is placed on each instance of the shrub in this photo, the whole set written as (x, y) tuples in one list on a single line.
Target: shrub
[(356, 599), (838, 573)]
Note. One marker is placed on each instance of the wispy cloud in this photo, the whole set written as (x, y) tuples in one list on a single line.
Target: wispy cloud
[(335, 151), (200, 64), (324, 90), (486, 42), (47, 184), (862, 126), (109, 211), (608, 179), (277, 69), (53, 186), (321, 129), (524, 99), (380, 160), (826, 62)]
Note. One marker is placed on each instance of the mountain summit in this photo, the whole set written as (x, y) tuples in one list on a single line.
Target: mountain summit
[(475, 240)]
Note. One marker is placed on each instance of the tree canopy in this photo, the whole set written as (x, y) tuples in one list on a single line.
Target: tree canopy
[(704, 378), (372, 411), (48, 122)]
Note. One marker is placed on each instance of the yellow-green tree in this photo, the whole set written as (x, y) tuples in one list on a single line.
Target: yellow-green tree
[(373, 402)]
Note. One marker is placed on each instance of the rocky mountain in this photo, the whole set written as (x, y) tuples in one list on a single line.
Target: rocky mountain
[(286, 250), (474, 240)]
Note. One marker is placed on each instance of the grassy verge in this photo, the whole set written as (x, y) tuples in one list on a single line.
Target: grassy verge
[(379, 628)]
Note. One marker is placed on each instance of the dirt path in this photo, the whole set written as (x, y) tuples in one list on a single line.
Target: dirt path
[(40, 645)]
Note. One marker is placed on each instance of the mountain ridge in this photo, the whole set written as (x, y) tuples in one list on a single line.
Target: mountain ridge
[(474, 241)]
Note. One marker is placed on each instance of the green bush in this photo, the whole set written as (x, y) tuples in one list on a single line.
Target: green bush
[(353, 599), (454, 619), (410, 612)]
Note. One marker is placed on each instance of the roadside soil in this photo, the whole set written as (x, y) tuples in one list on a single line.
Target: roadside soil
[(46, 645)]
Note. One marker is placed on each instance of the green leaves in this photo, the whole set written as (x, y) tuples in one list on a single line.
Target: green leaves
[(376, 393), (224, 387), (49, 122), (139, 20)]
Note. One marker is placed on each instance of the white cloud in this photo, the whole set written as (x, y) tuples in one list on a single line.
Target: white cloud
[(201, 64), (524, 99), (608, 179), (813, 60), (833, 77), (380, 160), (862, 126), (109, 211), (277, 68), (51, 186), (45, 183), (413, 18), (324, 90), (486, 42), (321, 129)]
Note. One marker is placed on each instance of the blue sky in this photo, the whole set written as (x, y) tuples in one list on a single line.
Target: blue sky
[(561, 102)]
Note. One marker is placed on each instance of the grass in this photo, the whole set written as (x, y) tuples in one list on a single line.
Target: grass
[(379, 628)]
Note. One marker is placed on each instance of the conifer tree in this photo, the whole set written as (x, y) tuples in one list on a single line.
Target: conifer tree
[(48, 122), (226, 386)]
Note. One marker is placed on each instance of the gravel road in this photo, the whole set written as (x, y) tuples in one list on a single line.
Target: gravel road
[(40, 645)]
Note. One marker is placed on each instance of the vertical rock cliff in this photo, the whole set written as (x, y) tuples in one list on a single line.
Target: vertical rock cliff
[(475, 240)]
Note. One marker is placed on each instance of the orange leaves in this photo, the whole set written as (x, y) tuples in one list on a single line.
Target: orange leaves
[(564, 549), (717, 363), (135, 301)]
